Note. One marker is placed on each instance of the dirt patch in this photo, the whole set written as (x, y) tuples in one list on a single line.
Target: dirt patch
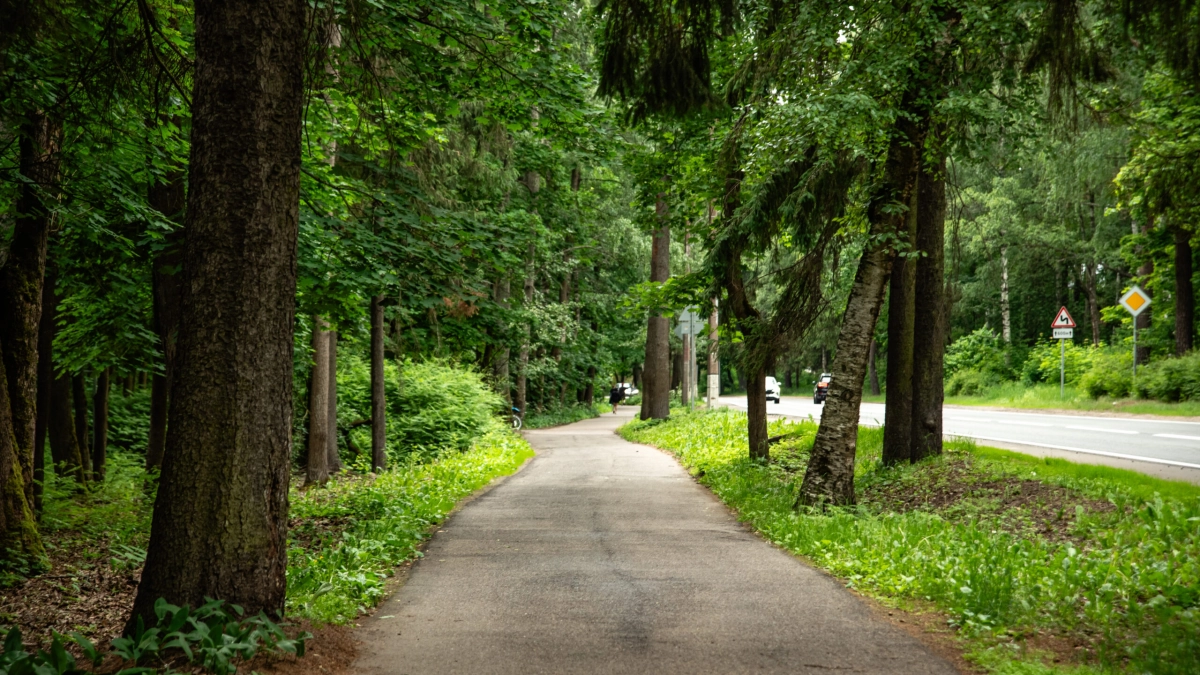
[(81, 593), (331, 652), (957, 490), (311, 533)]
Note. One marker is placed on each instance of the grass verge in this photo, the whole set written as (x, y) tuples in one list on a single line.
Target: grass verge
[(1046, 397), (347, 539), (565, 415), (1043, 566)]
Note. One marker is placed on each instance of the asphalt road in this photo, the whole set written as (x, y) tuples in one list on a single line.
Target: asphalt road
[(602, 556), (1170, 447)]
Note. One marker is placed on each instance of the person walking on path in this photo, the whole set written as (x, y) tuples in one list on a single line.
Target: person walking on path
[(616, 396)]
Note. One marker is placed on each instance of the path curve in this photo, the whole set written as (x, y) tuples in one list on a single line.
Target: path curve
[(602, 556)]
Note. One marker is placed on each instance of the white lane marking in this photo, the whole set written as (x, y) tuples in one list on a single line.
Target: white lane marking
[(1118, 455), (1186, 438), (1101, 429), (966, 419), (1015, 423), (1142, 420)]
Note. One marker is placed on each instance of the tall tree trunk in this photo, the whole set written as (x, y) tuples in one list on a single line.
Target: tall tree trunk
[(656, 375), (500, 376), (1142, 354), (1185, 293), (100, 425), (80, 405), (872, 370), (1093, 301), (19, 538), (45, 385), (64, 446), (829, 478), (676, 362), (636, 376), (21, 287), (317, 464), (335, 460), (168, 198), (220, 517), (898, 414), (378, 400), (929, 334), (1005, 310)]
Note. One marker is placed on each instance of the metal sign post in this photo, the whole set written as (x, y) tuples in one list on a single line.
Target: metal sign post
[(1135, 301), (1064, 329), (689, 326)]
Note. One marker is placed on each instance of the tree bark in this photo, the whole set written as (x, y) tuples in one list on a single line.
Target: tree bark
[(1093, 301), (168, 198), (317, 464), (335, 460), (656, 394), (1142, 354), (898, 413), (45, 385), (500, 375), (378, 400), (872, 371), (1005, 310), (1185, 292), (219, 528), (19, 539), (829, 478), (756, 413), (929, 334), (100, 425), (64, 446), (21, 284), (636, 376), (80, 407)]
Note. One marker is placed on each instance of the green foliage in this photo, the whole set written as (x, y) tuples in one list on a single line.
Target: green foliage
[(1046, 357), (980, 350), (1110, 373), (1176, 379), (129, 420), (336, 574), (560, 416), (214, 636), (1132, 585), (969, 382)]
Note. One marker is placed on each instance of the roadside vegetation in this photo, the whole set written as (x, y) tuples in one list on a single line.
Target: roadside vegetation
[(1040, 565), (555, 417), (344, 539)]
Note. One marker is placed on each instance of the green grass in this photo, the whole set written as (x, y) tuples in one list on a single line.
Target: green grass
[(565, 415), (1046, 396), (351, 535), (1124, 581)]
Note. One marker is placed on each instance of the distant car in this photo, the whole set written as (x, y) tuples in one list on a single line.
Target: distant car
[(630, 390), (821, 391), (772, 389)]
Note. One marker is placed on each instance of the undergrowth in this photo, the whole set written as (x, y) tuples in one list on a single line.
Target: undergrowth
[(560, 416), (1101, 568), (347, 539)]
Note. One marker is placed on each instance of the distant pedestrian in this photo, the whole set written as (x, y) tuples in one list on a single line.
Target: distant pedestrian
[(615, 396)]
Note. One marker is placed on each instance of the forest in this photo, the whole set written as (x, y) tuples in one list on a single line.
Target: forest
[(275, 276)]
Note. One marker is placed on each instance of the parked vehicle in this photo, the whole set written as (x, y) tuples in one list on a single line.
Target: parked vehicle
[(630, 390), (821, 391), (772, 389)]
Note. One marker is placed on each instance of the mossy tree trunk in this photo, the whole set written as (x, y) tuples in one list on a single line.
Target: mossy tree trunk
[(656, 373), (378, 400), (929, 332), (220, 517)]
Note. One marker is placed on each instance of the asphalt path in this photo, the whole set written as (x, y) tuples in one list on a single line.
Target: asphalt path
[(602, 556), (1170, 447)]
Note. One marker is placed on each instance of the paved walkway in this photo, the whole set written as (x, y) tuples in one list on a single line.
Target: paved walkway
[(602, 556)]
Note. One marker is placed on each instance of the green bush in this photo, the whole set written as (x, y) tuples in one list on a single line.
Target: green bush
[(969, 383), (1109, 374), (1171, 380), (431, 405), (1042, 364), (129, 420), (980, 351)]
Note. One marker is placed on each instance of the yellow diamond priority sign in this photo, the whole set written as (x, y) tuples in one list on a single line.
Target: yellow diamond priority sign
[(1135, 300)]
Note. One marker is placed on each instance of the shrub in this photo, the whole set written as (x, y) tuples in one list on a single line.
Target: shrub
[(980, 351), (1175, 379), (1109, 374), (969, 383), (129, 420), (1043, 362)]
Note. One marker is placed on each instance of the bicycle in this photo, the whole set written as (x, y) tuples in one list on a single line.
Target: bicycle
[(517, 422)]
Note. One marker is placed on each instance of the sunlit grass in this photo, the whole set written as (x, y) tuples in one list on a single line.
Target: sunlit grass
[(1132, 591)]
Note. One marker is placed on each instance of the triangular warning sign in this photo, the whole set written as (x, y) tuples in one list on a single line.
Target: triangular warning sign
[(1063, 319)]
